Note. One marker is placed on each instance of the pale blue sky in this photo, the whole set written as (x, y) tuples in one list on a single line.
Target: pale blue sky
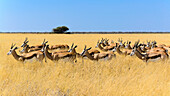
[(84, 15)]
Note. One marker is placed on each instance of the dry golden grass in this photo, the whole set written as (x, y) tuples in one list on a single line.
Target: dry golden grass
[(123, 76)]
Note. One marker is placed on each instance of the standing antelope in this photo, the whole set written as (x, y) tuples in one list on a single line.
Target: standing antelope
[(71, 55), (110, 43), (59, 47), (27, 48), (106, 48), (98, 56), (26, 56), (117, 49), (149, 56), (128, 45), (122, 45), (37, 46)]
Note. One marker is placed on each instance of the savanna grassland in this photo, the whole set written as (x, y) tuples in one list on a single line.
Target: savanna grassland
[(122, 76)]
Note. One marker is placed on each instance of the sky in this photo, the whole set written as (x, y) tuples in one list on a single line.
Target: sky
[(85, 15)]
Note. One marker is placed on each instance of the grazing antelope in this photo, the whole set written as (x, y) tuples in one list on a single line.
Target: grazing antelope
[(71, 55), (149, 56), (26, 56), (98, 56), (37, 46)]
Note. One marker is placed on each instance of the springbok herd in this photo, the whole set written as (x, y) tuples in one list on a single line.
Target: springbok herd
[(149, 51)]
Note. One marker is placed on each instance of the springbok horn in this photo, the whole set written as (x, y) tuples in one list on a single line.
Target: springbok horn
[(43, 41), (85, 47), (11, 46), (72, 45), (26, 39)]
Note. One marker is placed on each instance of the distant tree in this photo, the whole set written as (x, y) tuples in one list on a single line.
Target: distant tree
[(60, 29)]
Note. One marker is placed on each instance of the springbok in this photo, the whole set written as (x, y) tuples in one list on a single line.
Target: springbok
[(106, 48), (37, 46), (27, 48), (92, 52), (71, 55), (103, 44), (27, 56), (117, 49), (110, 43), (148, 45), (59, 47), (122, 45), (167, 47), (128, 45), (146, 57), (98, 56)]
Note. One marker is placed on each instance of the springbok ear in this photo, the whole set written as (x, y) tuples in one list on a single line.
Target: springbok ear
[(129, 42), (46, 46), (27, 42), (46, 42), (75, 46), (16, 47), (116, 44), (89, 48)]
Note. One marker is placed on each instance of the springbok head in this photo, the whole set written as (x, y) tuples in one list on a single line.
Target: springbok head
[(106, 41), (128, 44), (85, 50), (72, 48), (133, 50), (98, 42), (11, 49), (120, 41), (45, 47), (44, 42), (115, 48), (24, 49), (153, 44), (25, 42), (148, 43)]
